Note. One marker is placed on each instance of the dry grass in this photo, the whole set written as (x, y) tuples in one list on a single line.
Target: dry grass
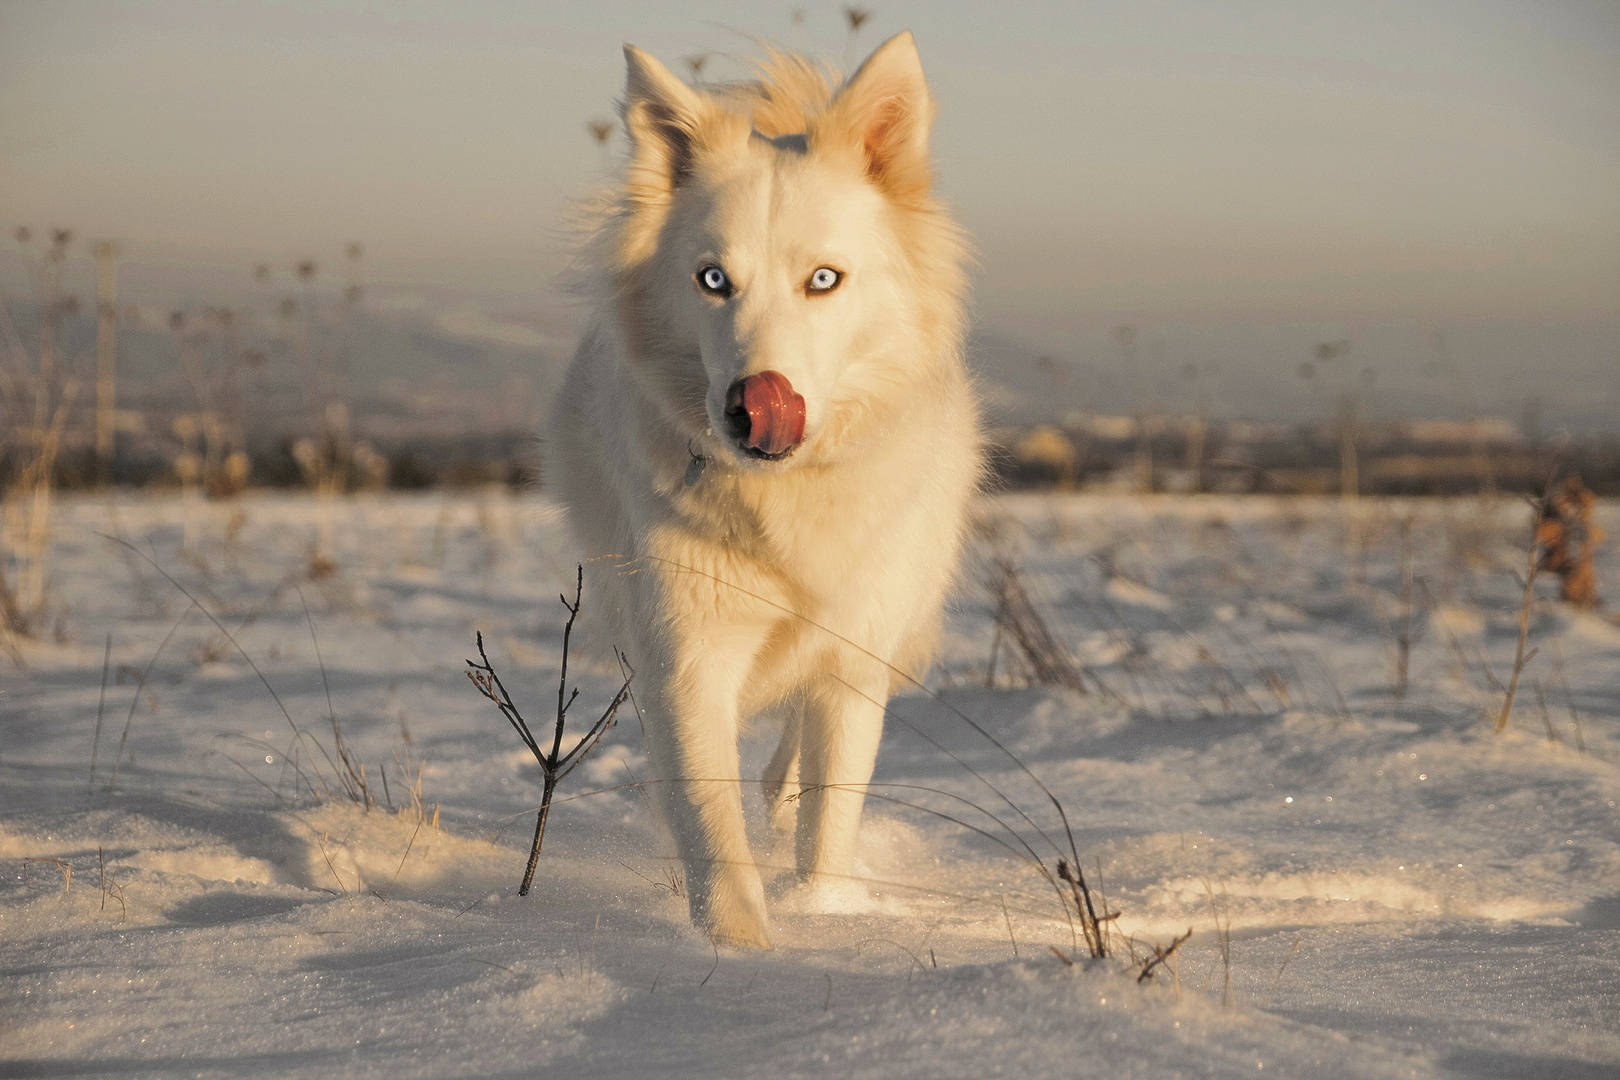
[(1405, 637), (60, 864), (1050, 662), (1299, 939), (1221, 913), (37, 393), (349, 778), (111, 887), (1521, 658), (1568, 536)]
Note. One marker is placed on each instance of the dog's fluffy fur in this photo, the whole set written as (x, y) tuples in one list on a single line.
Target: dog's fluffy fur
[(736, 583)]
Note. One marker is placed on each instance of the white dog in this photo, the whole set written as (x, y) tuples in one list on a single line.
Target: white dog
[(768, 442)]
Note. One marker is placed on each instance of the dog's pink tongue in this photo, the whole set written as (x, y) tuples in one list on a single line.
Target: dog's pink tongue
[(775, 412)]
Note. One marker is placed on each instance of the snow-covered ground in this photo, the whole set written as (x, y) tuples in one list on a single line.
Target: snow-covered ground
[(1408, 892)]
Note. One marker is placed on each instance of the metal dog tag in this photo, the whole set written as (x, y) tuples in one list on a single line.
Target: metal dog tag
[(694, 469)]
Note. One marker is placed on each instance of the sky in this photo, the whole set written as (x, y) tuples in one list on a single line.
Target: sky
[(1236, 179)]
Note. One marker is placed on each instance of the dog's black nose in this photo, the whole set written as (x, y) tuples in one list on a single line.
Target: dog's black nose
[(737, 422)]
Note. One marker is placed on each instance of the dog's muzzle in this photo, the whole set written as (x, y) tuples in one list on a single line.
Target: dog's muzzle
[(765, 415)]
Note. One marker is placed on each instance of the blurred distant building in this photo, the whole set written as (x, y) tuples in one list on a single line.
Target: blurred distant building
[(1485, 429)]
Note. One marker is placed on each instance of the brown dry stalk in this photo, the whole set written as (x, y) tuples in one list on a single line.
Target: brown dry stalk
[(1161, 955), (1091, 924), (1520, 659), (1568, 536), (1016, 613), (1298, 939), (113, 888), (1405, 638), (67, 871), (1223, 931), (1546, 717)]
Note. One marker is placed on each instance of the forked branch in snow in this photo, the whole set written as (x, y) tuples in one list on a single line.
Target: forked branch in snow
[(1161, 955), (556, 764)]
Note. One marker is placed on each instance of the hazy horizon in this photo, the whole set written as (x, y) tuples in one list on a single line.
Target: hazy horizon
[(1238, 181)]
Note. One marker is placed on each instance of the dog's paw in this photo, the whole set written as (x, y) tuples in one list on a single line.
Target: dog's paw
[(733, 936), (731, 908), (738, 926), (828, 896)]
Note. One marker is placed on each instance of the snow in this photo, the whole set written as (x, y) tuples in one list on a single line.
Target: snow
[(1408, 893)]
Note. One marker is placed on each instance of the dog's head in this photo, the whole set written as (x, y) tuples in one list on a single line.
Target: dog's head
[(776, 250)]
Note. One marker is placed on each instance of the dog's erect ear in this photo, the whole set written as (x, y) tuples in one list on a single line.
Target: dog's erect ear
[(661, 115), (884, 108)]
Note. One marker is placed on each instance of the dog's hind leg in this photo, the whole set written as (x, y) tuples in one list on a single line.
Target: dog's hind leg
[(841, 727), (781, 779)]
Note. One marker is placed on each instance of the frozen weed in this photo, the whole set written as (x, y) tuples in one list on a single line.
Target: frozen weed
[(1161, 956), (1016, 615), (1568, 536), (67, 871), (1520, 657)]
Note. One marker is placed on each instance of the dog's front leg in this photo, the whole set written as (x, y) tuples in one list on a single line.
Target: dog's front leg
[(691, 718), (841, 726)]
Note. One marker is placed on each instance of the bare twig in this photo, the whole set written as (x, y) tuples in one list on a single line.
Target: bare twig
[(556, 765), (1090, 924), (1160, 956)]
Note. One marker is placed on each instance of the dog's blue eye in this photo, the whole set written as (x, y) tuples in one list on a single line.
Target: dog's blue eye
[(825, 279), (714, 281)]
